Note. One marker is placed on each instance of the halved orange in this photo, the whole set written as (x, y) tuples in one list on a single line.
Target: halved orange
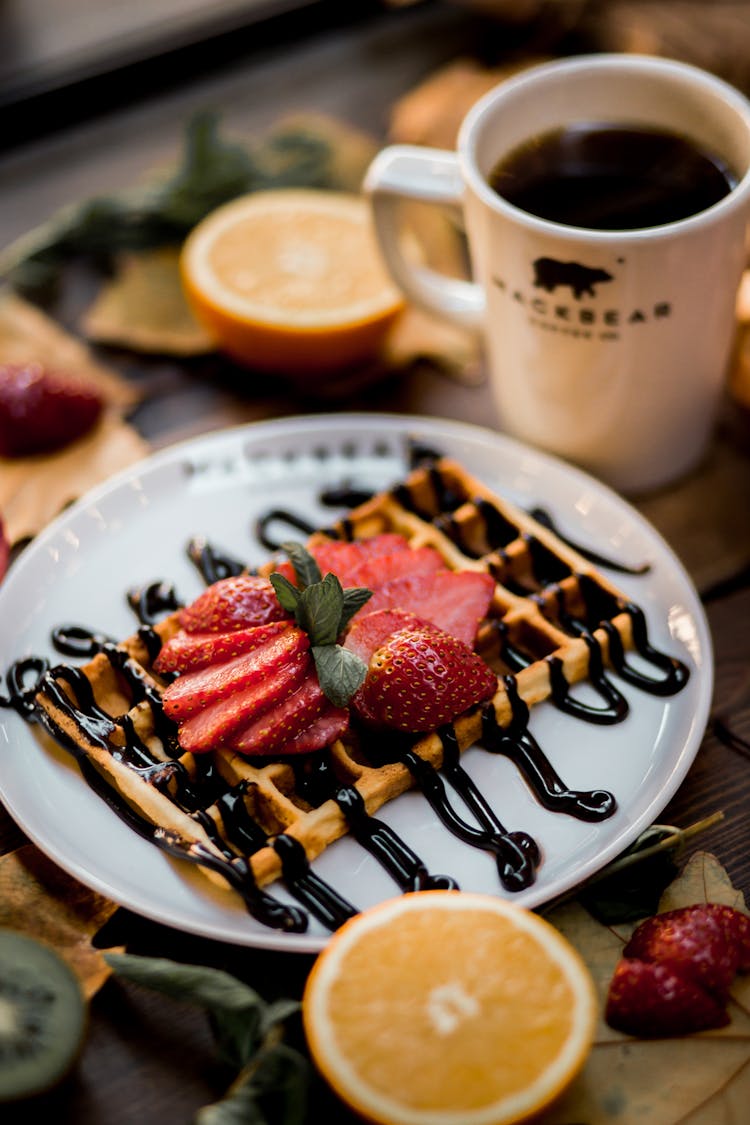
[(448, 1008), (291, 280)]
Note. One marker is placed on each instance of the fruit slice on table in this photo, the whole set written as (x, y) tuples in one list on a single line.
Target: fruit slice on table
[(290, 280), (448, 1007), (43, 1017)]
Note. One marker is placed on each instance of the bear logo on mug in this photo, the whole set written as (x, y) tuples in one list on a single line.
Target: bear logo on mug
[(549, 273)]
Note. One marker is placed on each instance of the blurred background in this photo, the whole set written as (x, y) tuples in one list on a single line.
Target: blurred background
[(60, 59)]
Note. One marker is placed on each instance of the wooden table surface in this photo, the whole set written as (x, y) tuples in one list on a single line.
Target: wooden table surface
[(148, 1059)]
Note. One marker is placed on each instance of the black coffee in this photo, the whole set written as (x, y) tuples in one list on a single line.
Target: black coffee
[(610, 177)]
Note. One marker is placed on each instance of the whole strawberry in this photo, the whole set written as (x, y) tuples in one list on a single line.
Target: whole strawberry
[(42, 410), (421, 677)]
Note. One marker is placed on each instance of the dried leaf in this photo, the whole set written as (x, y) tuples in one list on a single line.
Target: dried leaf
[(739, 373), (143, 308), (627, 1079), (34, 489), (431, 114), (26, 333), (417, 335), (351, 150), (40, 900)]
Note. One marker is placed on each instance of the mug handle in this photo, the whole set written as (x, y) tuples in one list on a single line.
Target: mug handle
[(431, 175)]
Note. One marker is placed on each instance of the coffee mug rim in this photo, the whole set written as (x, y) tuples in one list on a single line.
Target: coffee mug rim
[(476, 116)]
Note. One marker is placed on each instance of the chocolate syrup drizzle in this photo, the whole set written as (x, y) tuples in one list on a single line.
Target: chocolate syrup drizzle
[(199, 789), (317, 782)]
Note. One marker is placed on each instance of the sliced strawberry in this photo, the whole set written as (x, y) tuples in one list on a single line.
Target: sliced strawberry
[(368, 631), (324, 730), (193, 691), (271, 732), (239, 602), (419, 679), (374, 573), (340, 557), (694, 942), (185, 651), (455, 601), (212, 726), (43, 410), (649, 999)]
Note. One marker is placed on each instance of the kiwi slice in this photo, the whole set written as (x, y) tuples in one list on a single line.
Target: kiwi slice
[(43, 1017)]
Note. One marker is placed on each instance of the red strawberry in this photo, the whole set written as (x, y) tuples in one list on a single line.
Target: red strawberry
[(212, 725), (270, 733), (368, 631), (420, 678), (373, 573), (695, 941), (193, 691), (455, 601), (185, 652), (41, 410), (331, 724), (339, 557), (649, 999), (736, 926), (239, 602)]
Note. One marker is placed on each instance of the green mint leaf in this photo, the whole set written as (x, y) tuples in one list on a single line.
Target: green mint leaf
[(272, 1090), (305, 566), (210, 988), (239, 1016), (320, 610), (354, 598), (340, 672), (288, 595)]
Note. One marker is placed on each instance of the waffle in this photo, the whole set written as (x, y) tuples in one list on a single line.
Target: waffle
[(555, 621)]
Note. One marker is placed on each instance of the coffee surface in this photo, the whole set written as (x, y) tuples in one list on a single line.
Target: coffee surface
[(609, 177)]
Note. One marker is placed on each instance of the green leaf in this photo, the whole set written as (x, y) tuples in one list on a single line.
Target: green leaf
[(271, 1091), (239, 1016), (305, 566), (354, 598), (340, 672), (272, 1083), (213, 172), (195, 984), (287, 594), (320, 610)]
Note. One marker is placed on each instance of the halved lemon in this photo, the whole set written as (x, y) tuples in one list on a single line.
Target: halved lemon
[(448, 1008), (291, 280)]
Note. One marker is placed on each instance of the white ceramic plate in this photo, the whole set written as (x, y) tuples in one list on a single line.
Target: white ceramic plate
[(135, 529)]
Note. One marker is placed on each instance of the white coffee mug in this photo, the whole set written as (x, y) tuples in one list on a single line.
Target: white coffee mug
[(608, 348)]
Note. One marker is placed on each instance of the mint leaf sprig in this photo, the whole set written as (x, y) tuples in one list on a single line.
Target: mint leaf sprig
[(323, 608), (272, 1078)]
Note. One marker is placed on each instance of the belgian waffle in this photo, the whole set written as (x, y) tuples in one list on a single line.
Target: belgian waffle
[(555, 621)]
